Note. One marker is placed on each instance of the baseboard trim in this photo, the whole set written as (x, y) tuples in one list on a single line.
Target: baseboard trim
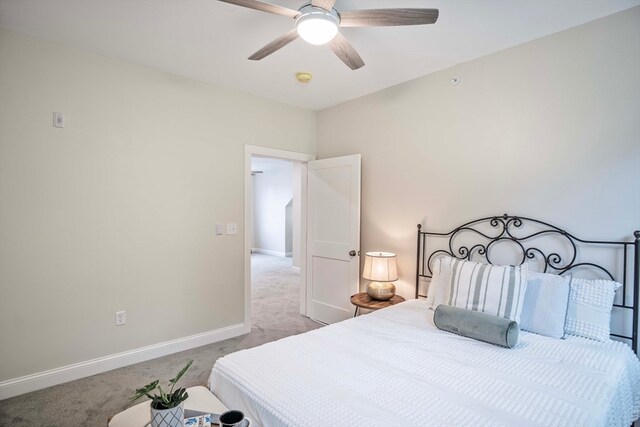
[(296, 269), (40, 380), (270, 252)]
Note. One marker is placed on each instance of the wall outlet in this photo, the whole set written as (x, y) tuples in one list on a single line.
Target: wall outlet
[(121, 318), (58, 120)]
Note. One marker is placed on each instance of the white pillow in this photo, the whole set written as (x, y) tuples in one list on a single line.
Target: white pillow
[(590, 304), (438, 292), (488, 288), (545, 304)]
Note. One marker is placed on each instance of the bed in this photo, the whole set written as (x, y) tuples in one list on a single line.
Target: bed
[(393, 367)]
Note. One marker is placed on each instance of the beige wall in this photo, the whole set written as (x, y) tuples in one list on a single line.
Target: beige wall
[(272, 191), (549, 129), (117, 211)]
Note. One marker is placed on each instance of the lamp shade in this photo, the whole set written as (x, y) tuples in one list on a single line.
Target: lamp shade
[(316, 25), (380, 267)]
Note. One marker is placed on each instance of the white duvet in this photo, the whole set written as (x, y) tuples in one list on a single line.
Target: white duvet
[(395, 368)]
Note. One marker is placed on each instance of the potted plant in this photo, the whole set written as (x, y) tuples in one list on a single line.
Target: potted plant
[(167, 409)]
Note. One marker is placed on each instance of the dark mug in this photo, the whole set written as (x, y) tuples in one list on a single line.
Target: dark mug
[(231, 418)]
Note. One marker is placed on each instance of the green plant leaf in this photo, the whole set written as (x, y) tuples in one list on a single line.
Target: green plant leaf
[(181, 373), (164, 400), (179, 396), (144, 391)]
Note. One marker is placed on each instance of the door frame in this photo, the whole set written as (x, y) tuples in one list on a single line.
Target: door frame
[(302, 159)]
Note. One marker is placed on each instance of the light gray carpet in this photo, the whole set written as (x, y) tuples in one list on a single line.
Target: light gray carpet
[(91, 401)]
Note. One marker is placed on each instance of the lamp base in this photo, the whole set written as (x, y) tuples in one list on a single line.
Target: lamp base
[(381, 291)]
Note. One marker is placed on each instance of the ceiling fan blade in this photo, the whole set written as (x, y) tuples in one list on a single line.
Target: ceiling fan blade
[(264, 7), (387, 17), (343, 50), (278, 43), (324, 4)]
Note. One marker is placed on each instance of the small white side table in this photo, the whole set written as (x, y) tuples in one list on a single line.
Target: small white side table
[(200, 399)]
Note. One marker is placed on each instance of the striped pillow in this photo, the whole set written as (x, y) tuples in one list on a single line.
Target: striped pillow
[(488, 288)]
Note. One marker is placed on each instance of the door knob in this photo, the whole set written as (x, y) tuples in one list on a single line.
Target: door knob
[(352, 253)]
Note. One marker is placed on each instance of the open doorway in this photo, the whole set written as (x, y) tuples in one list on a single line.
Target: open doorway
[(275, 272), (275, 252)]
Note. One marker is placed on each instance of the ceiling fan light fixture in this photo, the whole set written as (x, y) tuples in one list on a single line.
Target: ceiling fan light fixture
[(317, 26)]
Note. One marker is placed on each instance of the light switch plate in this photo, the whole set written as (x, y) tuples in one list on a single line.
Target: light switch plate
[(232, 228), (219, 229)]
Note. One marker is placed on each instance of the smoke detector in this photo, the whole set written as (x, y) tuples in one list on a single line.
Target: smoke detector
[(303, 77)]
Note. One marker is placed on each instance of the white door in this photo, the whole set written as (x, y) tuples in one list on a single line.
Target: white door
[(333, 237)]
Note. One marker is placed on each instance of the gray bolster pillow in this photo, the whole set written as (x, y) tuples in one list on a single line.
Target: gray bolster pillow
[(477, 325)]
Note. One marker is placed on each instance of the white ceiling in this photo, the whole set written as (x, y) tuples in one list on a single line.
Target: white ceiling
[(209, 41)]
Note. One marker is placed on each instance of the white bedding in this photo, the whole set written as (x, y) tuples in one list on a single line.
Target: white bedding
[(395, 368)]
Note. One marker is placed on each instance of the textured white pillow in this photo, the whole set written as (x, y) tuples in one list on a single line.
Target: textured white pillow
[(589, 312), (438, 292), (488, 288), (545, 304)]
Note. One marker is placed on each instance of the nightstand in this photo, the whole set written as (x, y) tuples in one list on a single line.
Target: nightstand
[(363, 300)]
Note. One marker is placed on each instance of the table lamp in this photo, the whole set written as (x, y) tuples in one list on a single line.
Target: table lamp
[(381, 269)]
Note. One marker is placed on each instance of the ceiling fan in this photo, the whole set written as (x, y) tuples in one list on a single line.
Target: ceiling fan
[(317, 23)]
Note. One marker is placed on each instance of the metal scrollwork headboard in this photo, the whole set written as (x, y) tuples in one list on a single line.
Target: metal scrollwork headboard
[(477, 239)]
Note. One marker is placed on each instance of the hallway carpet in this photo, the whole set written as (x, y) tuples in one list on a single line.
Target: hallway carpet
[(91, 401)]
